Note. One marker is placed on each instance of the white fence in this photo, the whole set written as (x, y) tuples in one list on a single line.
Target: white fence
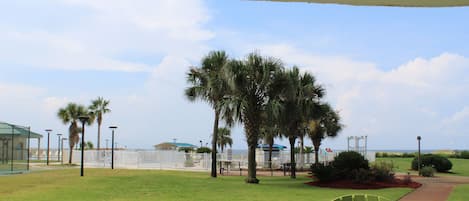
[(135, 159)]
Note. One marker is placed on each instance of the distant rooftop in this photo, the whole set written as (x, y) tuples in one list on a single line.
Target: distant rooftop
[(173, 145), (274, 146)]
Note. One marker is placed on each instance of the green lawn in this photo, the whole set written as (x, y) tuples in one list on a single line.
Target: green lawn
[(460, 193), (460, 166), (120, 185)]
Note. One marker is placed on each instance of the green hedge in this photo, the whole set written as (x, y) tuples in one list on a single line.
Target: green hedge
[(440, 163)]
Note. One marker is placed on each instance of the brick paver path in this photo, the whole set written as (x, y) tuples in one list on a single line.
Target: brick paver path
[(434, 188)]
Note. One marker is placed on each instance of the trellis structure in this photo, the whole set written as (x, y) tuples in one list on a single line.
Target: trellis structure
[(15, 147)]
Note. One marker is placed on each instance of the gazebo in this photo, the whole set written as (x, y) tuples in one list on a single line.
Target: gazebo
[(15, 147)]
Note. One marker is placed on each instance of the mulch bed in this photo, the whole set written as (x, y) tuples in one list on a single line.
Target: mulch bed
[(371, 185)]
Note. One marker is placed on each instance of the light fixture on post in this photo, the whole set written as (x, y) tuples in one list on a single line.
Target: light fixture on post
[(112, 146), (83, 120), (419, 162), (48, 145)]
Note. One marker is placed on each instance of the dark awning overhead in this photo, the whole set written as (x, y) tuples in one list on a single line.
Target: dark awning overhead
[(398, 3)]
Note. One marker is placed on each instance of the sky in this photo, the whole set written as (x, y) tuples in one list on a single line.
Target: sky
[(392, 73)]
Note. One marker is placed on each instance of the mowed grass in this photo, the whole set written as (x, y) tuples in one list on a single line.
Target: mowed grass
[(120, 185), (460, 193), (460, 166)]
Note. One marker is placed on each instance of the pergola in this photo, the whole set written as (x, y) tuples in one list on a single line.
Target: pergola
[(401, 3), (15, 147)]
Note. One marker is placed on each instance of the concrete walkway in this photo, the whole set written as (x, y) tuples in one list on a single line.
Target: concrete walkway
[(434, 188)]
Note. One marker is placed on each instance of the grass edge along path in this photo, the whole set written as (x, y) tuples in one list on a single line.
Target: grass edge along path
[(459, 193), (120, 185)]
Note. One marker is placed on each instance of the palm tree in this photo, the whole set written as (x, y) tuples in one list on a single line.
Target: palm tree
[(255, 81), (208, 84), (99, 107), (224, 138), (300, 99), (270, 125), (325, 124), (70, 115)]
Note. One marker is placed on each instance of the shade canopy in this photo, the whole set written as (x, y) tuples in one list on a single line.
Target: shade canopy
[(399, 3), (7, 129)]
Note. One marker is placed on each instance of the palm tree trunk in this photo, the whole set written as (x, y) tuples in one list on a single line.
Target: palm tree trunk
[(271, 144), (292, 157), (71, 144), (99, 136), (302, 159), (316, 145), (214, 144), (252, 162)]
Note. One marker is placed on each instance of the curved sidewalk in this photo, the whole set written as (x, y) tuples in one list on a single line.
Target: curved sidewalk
[(434, 188)]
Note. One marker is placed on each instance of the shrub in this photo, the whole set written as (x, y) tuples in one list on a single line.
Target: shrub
[(464, 154), (407, 178), (427, 171), (348, 161), (383, 171), (440, 163), (361, 176), (324, 173), (204, 150), (460, 154), (408, 155), (186, 149)]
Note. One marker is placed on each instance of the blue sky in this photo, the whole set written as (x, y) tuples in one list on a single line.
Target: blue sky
[(393, 73)]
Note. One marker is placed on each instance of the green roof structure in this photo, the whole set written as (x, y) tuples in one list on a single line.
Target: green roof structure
[(16, 131), (396, 3), (15, 147)]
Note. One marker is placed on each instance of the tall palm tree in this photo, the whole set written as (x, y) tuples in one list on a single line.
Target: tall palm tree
[(208, 84), (224, 138), (99, 107), (70, 115), (302, 96), (254, 80), (326, 123)]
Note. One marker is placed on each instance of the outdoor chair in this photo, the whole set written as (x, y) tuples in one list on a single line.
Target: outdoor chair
[(360, 197)]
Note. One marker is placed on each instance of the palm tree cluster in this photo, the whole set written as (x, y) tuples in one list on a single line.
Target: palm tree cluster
[(70, 115), (268, 99)]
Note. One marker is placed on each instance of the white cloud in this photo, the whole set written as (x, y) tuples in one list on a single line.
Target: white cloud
[(412, 99), (106, 32)]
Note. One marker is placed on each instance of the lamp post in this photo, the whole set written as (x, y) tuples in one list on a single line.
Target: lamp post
[(418, 139), (112, 148), (48, 145), (58, 146), (62, 147), (200, 143), (83, 120)]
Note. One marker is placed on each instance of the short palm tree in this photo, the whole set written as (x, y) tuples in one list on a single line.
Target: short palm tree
[(325, 124), (224, 138), (255, 81), (270, 124), (301, 98), (70, 115), (208, 84), (99, 107)]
